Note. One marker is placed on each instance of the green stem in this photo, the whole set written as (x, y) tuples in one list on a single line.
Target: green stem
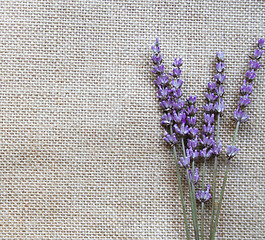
[(180, 190), (224, 184), (192, 197), (202, 226), (215, 173)]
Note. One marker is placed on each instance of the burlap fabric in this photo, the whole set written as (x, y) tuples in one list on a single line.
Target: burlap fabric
[(81, 149)]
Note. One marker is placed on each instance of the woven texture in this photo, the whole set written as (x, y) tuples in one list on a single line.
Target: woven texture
[(81, 149)]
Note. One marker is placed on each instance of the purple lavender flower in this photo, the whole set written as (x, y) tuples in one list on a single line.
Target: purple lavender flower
[(219, 91), (192, 143), (191, 121), (209, 108), (194, 178), (176, 93), (157, 60), (261, 43), (179, 117), (171, 140), (220, 78), (156, 48), (211, 86), (258, 53), (219, 106), (250, 75), (204, 196), (177, 106), (177, 84), (217, 149), (211, 97), (206, 154), (220, 56), (231, 151), (185, 162), (191, 100), (163, 93), (166, 105), (158, 69), (220, 67), (207, 141), (167, 119), (182, 130), (208, 119), (176, 73), (244, 101), (240, 116), (253, 64), (208, 129), (162, 80), (246, 89), (191, 110), (177, 62), (193, 132)]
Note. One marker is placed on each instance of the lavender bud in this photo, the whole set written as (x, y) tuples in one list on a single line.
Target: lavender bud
[(191, 100), (162, 80), (250, 75), (209, 108), (166, 105), (204, 196), (185, 162), (220, 78), (158, 69), (177, 106), (157, 60), (171, 140), (167, 119), (191, 110), (220, 56), (176, 93), (194, 178), (246, 89), (206, 154), (156, 48), (191, 121), (177, 62), (176, 73), (253, 64), (220, 67), (179, 117), (208, 119), (211, 86), (211, 97), (183, 130), (219, 91), (163, 93), (193, 132), (220, 107), (244, 101), (240, 116), (192, 143), (217, 149), (258, 53), (208, 129), (231, 151), (177, 84), (207, 141), (261, 43)]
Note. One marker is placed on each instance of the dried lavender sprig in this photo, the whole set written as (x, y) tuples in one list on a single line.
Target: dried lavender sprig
[(219, 80), (164, 91), (257, 55)]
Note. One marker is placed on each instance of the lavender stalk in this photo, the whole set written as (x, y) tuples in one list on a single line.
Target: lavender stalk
[(169, 100), (240, 117), (220, 77)]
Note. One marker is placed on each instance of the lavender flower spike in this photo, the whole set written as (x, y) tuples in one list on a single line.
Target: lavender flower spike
[(185, 162), (231, 151), (204, 196), (240, 116), (171, 140), (194, 178)]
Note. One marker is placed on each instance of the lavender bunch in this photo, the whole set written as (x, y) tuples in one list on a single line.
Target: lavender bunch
[(179, 121), (240, 116)]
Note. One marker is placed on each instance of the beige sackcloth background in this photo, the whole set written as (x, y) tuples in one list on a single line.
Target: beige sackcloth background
[(82, 155)]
